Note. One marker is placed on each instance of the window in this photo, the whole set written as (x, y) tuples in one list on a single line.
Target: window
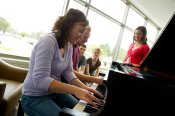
[(127, 39), (27, 19), (134, 19), (151, 34), (73, 4), (31, 19), (104, 33), (114, 8)]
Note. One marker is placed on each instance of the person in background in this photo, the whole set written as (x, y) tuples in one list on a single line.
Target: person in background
[(93, 64), (138, 49), (82, 59), (84, 78), (43, 92), (75, 56)]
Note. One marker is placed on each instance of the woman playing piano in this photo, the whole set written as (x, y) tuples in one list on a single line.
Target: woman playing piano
[(44, 93)]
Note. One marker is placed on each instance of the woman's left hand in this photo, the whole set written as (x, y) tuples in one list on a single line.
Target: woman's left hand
[(99, 80), (95, 92)]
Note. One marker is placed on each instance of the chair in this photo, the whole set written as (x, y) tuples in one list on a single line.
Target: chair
[(11, 82), (2, 90)]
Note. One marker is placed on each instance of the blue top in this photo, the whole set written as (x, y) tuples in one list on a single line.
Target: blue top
[(82, 61), (47, 65)]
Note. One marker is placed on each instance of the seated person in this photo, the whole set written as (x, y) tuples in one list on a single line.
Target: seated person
[(82, 59), (43, 92), (93, 64)]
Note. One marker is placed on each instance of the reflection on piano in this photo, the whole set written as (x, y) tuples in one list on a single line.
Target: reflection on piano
[(148, 90)]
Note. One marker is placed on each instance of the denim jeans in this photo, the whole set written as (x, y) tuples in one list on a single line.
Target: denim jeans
[(48, 105)]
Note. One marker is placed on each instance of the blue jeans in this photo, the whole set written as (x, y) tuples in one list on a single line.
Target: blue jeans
[(48, 105)]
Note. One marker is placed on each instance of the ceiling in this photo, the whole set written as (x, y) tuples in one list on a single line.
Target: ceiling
[(159, 11)]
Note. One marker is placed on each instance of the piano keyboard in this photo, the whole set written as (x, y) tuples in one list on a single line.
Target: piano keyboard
[(82, 106)]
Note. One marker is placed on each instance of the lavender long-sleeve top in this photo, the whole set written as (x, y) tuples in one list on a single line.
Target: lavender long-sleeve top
[(46, 65)]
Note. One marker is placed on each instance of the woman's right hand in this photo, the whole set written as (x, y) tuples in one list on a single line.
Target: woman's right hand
[(87, 96)]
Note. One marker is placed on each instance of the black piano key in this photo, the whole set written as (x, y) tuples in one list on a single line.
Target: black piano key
[(102, 89), (90, 108), (98, 106), (87, 110)]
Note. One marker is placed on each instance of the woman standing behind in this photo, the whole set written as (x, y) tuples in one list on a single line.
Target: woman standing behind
[(138, 49), (93, 64), (43, 93)]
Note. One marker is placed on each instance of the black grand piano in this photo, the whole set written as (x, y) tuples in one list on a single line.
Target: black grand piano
[(147, 90)]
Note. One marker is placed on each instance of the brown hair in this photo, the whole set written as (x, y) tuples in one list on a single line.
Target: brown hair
[(83, 45), (97, 49), (144, 31), (65, 23)]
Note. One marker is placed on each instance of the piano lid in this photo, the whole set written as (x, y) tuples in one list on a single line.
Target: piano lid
[(161, 57)]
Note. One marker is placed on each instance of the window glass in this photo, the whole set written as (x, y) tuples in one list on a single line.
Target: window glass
[(104, 34), (151, 32), (73, 4), (134, 19), (150, 44), (127, 39), (114, 8), (28, 21), (86, 1)]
